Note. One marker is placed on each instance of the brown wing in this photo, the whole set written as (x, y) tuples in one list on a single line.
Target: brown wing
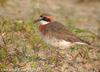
[(59, 31)]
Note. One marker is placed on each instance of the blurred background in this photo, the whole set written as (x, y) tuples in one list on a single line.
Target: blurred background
[(84, 13), (20, 45)]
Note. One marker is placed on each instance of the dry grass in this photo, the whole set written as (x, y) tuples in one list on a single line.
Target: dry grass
[(22, 49), (3, 2)]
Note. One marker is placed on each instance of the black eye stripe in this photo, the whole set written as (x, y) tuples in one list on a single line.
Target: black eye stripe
[(44, 18)]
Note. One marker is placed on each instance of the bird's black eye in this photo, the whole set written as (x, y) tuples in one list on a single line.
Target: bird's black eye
[(45, 19)]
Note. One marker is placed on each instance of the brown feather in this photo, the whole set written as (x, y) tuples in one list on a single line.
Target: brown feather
[(59, 31)]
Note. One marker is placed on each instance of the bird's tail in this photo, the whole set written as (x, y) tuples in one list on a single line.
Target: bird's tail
[(88, 45)]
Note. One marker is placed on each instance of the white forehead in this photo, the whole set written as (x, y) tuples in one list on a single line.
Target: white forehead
[(41, 17)]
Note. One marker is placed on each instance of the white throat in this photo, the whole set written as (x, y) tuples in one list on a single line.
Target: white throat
[(42, 22)]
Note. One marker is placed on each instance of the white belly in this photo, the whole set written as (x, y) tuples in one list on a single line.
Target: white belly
[(62, 44)]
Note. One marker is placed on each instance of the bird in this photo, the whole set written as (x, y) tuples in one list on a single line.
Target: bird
[(56, 34)]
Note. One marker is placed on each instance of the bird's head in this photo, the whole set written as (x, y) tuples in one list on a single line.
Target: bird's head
[(44, 19)]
